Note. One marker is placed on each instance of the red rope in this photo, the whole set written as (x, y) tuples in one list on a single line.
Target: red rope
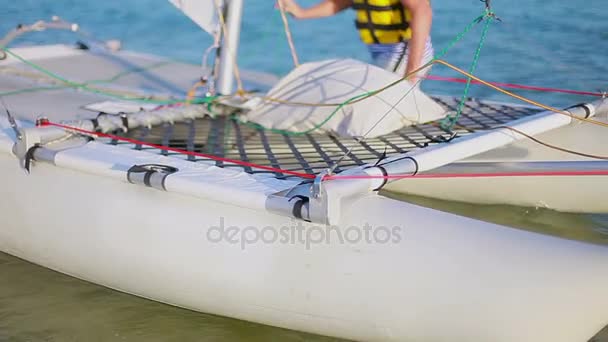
[(479, 175), (311, 176), (515, 86), (172, 149)]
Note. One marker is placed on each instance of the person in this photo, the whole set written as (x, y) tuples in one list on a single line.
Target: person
[(396, 32)]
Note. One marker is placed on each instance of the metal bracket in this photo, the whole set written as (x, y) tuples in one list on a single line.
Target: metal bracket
[(28, 139), (150, 175), (318, 183), (13, 123)]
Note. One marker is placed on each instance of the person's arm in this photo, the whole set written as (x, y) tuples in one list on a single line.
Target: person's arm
[(422, 18), (325, 8)]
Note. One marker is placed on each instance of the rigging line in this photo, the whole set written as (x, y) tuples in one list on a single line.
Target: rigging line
[(538, 141), (205, 63), (519, 97), (354, 99), (476, 175), (210, 75), (135, 70), (362, 97), (337, 163), (74, 130), (292, 47), (84, 86), (449, 121), (117, 76), (515, 86), (176, 150), (11, 119), (487, 15), (562, 149)]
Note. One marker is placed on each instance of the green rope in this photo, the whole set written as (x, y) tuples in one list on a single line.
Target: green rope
[(292, 133), (449, 121), (459, 37), (85, 86), (441, 54), (130, 71), (210, 100), (107, 80)]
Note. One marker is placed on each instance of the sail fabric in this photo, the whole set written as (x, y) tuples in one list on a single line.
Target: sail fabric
[(336, 81), (202, 12)]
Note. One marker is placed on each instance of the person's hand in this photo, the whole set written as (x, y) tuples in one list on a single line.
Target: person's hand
[(290, 7)]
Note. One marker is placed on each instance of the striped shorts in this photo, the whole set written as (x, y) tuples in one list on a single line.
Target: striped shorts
[(393, 57)]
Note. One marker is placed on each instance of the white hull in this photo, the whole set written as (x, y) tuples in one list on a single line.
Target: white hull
[(581, 194), (448, 279)]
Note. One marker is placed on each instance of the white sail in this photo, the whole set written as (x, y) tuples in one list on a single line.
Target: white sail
[(202, 12)]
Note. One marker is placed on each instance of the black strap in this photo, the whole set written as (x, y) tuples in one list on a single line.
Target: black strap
[(29, 156), (367, 6), (384, 180), (370, 25), (386, 27), (297, 207), (401, 57), (403, 158), (95, 123), (584, 105), (125, 121), (403, 19)]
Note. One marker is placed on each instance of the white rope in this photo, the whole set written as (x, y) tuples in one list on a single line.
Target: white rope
[(292, 47)]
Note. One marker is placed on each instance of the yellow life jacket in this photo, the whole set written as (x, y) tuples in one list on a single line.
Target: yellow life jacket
[(382, 21)]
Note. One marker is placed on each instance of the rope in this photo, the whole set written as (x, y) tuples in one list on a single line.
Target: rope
[(357, 98), (476, 175), (176, 150), (352, 100), (515, 86), (442, 53), (211, 73), (329, 177), (82, 86), (519, 97), (135, 70), (192, 91), (449, 121), (106, 80), (554, 147), (292, 47), (366, 95), (538, 141)]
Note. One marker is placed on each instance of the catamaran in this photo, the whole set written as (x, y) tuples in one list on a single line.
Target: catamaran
[(118, 182)]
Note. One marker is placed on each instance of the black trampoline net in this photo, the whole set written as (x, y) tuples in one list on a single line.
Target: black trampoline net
[(315, 152)]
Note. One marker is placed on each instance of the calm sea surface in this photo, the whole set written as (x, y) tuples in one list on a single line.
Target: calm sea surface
[(545, 43)]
